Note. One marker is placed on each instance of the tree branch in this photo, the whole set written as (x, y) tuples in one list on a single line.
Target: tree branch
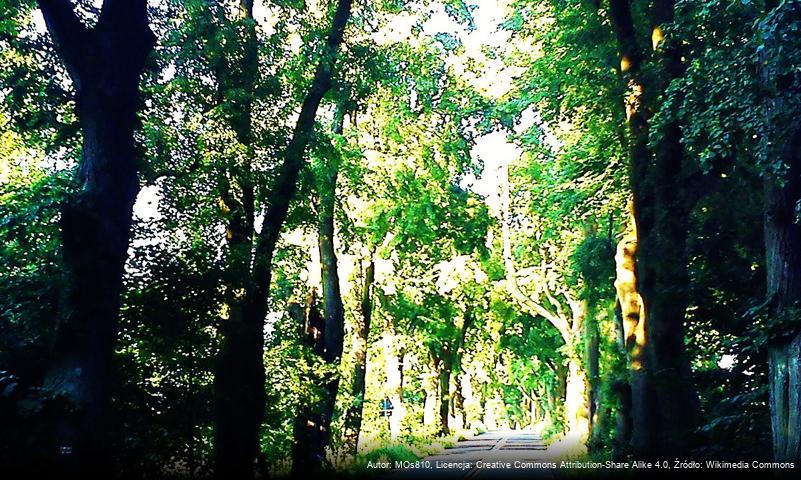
[(623, 25), (577, 311), (533, 307), (69, 35), (286, 184), (553, 301)]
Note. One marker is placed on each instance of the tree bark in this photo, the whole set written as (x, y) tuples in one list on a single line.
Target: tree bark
[(663, 396), (575, 395), (431, 386), (239, 377), (333, 311), (783, 268), (638, 395), (458, 401), (663, 277), (621, 445), (395, 356), (782, 239), (105, 63)]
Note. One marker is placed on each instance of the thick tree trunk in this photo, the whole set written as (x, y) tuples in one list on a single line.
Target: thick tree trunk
[(354, 421), (663, 283), (663, 396), (105, 64), (576, 412), (782, 238), (643, 434), (95, 231), (785, 399), (638, 395), (663, 278), (239, 397), (394, 364), (238, 380), (621, 446), (783, 266)]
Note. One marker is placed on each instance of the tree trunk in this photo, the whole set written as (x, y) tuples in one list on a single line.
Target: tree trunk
[(238, 380), (105, 64), (785, 399), (354, 421), (592, 354), (333, 317), (663, 396), (444, 386), (783, 266), (431, 386), (576, 391), (239, 377), (482, 403), (643, 434), (239, 396), (621, 445), (310, 429), (638, 395), (782, 239), (576, 414), (534, 409), (458, 401), (662, 257), (333, 311), (394, 364), (454, 361)]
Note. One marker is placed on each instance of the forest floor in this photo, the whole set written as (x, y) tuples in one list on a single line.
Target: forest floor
[(499, 454)]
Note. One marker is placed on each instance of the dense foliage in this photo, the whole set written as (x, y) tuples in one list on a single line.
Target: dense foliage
[(377, 225)]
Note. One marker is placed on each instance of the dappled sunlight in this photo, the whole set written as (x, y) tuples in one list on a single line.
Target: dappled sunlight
[(251, 238), (657, 36)]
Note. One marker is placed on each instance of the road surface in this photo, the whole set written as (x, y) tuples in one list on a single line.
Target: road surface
[(502, 454)]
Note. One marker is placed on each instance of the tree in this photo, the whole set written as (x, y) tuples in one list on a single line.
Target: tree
[(104, 63), (355, 414), (564, 115), (782, 137), (313, 426), (239, 378), (346, 200), (662, 202)]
